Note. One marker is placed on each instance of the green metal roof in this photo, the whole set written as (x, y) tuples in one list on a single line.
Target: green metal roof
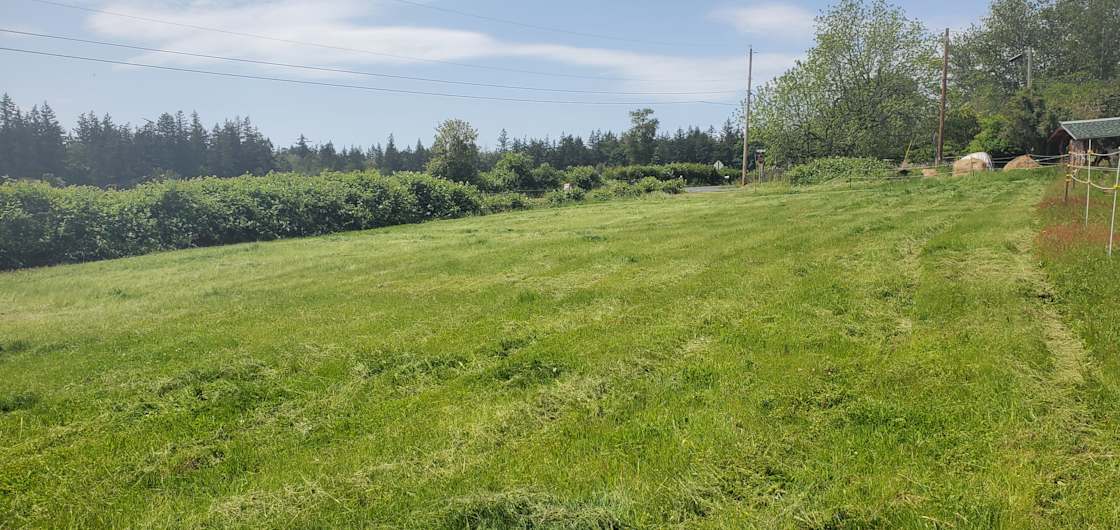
[(1093, 129)]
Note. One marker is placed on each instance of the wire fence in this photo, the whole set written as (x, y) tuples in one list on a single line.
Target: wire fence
[(1075, 171), (1079, 170)]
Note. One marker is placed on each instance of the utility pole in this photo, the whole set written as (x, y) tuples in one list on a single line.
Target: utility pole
[(1029, 56), (944, 89), (1030, 68), (747, 117)]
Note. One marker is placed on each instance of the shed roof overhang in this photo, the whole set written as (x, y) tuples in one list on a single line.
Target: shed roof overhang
[(1092, 129)]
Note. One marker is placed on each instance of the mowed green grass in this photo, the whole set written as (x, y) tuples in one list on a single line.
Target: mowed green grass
[(836, 358)]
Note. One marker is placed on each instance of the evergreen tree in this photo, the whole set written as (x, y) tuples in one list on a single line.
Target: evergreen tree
[(391, 160), (376, 156), (503, 141), (420, 157), (11, 132), (48, 151), (328, 156), (198, 144)]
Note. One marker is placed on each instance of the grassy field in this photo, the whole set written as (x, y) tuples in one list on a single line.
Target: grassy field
[(886, 356)]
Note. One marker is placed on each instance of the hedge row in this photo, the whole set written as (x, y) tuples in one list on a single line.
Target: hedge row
[(616, 190), (509, 201), (839, 168), (44, 225), (695, 174)]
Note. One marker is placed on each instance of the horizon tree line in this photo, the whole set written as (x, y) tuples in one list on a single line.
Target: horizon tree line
[(99, 151)]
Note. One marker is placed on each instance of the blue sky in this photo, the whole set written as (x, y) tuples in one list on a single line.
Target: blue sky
[(696, 50)]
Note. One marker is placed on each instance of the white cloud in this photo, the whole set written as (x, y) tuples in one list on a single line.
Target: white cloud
[(358, 25), (784, 21)]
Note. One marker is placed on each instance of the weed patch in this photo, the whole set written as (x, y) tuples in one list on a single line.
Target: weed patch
[(18, 401), (523, 374), (525, 509)]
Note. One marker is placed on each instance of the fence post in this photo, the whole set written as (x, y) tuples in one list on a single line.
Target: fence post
[(1088, 181), (1112, 223), (1088, 190)]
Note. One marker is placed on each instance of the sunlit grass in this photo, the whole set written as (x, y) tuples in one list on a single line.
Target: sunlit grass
[(886, 355)]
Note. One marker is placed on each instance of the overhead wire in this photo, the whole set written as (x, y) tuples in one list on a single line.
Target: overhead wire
[(541, 28), (357, 50), (356, 87), (359, 72)]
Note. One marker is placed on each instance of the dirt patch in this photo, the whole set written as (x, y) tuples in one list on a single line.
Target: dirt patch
[(1066, 237)]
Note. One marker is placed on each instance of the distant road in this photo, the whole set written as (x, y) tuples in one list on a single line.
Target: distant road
[(708, 189)]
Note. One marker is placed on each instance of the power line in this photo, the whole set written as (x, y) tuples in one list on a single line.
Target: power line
[(357, 72), (356, 50), (359, 87), (541, 28)]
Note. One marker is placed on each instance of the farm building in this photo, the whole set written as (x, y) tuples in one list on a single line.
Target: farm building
[(1078, 138)]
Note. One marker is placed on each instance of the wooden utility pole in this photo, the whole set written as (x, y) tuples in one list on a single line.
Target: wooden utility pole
[(1030, 68), (747, 117), (944, 89)]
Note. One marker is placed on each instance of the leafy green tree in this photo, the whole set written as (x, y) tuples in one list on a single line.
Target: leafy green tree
[(865, 89), (545, 177), (640, 141), (1071, 42), (980, 56), (1029, 123), (513, 171), (962, 124), (455, 152), (992, 137)]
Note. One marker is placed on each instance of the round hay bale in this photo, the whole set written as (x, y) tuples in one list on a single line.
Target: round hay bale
[(972, 163), (1022, 162)]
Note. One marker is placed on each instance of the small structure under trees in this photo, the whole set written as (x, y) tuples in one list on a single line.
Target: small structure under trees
[(1082, 137)]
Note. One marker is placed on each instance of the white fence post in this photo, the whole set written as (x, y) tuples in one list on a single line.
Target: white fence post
[(1088, 181), (1112, 224)]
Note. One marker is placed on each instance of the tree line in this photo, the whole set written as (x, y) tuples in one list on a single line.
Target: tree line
[(101, 152), (869, 87)]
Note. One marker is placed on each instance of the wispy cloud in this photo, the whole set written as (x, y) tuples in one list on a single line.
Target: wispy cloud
[(773, 20), (367, 26)]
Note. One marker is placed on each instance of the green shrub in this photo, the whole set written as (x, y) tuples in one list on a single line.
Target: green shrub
[(993, 137), (826, 169), (544, 177), (672, 187), (633, 173), (559, 197), (505, 202), (584, 177), (645, 186), (496, 181), (512, 172), (43, 225), (695, 174), (437, 198)]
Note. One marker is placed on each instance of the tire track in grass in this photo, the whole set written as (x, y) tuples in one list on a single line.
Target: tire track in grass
[(1062, 392), (1049, 424)]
